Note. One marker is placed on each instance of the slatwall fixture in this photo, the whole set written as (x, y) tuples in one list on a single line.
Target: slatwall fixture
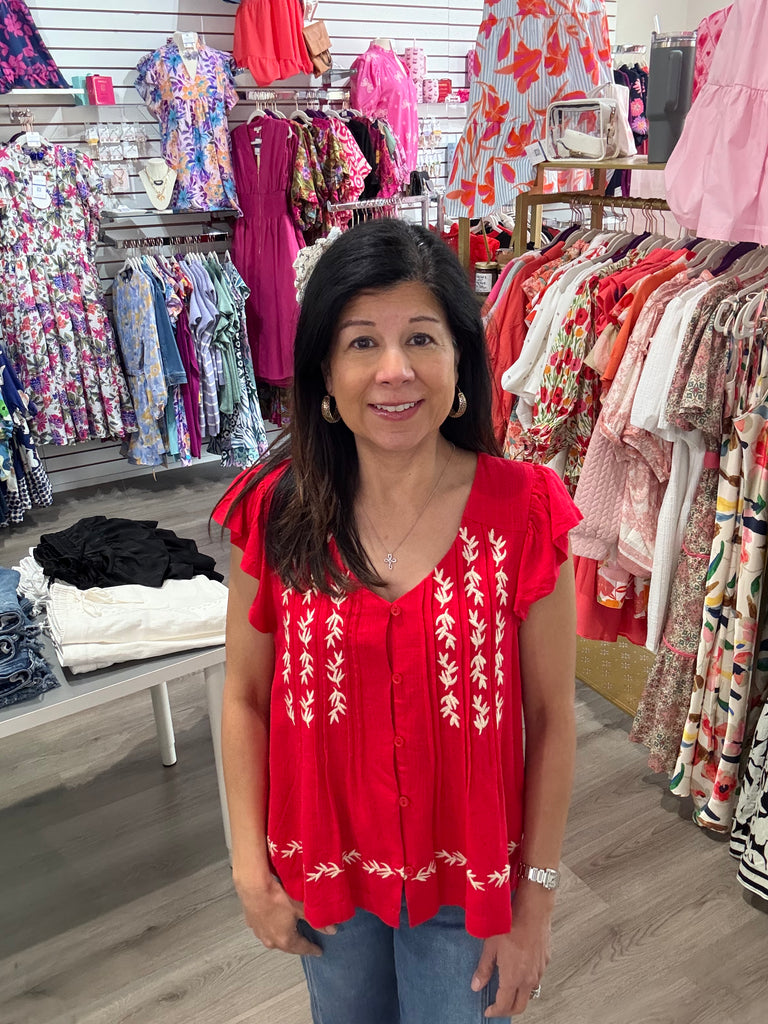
[(86, 36)]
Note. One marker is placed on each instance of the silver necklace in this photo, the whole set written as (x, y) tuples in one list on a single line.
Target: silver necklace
[(390, 561)]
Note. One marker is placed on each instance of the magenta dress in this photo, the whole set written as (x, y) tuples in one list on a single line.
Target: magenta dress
[(266, 243)]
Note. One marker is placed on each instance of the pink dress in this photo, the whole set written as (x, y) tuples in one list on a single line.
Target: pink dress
[(381, 87), (715, 176), (266, 243)]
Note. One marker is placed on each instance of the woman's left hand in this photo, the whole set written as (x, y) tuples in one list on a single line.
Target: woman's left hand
[(522, 957)]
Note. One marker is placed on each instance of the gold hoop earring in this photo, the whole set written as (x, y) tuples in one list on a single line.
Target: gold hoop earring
[(459, 406), (330, 412)]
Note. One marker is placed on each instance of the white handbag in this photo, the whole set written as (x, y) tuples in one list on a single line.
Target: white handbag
[(625, 140), (595, 128), (582, 130)]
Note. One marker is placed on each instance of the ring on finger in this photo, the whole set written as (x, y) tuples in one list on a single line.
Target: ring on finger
[(536, 992)]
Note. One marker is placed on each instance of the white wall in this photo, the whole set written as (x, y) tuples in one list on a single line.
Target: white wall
[(699, 9), (634, 19)]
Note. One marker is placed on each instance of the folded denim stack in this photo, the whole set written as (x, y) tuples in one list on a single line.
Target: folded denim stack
[(24, 673), (95, 628)]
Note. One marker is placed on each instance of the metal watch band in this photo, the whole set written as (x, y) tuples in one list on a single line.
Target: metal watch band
[(547, 877)]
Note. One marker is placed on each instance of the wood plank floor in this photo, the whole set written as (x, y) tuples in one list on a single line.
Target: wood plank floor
[(116, 904)]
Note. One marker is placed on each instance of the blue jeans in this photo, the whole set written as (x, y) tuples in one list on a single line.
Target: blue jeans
[(370, 973)]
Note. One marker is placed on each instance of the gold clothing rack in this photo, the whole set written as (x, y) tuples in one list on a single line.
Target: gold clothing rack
[(594, 198)]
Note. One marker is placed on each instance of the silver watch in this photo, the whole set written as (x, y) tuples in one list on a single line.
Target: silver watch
[(547, 877)]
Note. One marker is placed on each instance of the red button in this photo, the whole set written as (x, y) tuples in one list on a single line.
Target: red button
[(399, 741), (404, 801), (395, 610), (408, 871), (396, 677)]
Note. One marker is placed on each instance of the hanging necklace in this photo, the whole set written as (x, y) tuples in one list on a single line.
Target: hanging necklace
[(390, 561)]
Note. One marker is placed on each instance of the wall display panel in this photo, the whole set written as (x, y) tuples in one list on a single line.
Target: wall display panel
[(90, 36)]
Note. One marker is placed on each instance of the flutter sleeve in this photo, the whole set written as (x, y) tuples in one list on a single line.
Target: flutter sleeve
[(246, 521), (551, 515)]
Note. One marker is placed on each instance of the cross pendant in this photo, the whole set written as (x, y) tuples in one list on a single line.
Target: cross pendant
[(391, 561)]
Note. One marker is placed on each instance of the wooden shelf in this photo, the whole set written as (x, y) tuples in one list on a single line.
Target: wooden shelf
[(631, 163)]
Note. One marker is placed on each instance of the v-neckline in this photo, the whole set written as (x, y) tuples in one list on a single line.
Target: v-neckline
[(199, 51), (466, 515)]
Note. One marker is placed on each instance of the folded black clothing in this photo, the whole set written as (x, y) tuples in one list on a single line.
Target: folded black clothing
[(102, 552)]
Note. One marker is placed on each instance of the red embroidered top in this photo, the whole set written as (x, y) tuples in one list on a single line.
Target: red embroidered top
[(396, 729)]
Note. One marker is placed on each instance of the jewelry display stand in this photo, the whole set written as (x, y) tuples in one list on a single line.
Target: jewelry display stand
[(158, 180)]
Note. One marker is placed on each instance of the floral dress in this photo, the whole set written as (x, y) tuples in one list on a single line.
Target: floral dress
[(726, 684), (568, 402), (140, 343), (192, 112), (25, 62), (52, 317), (528, 54)]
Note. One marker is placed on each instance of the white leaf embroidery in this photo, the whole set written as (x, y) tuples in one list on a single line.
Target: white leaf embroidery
[(424, 873), (498, 878), (472, 578), (373, 867), (330, 870), (307, 714), (474, 882), (482, 708), (292, 848), (351, 857), (511, 847), (457, 857), (337, 699), (499, 551)]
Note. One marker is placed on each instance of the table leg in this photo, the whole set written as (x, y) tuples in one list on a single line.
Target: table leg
[(214, 686), (164, 723)]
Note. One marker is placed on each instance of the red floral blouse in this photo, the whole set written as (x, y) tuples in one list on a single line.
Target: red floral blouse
[(396, 731)]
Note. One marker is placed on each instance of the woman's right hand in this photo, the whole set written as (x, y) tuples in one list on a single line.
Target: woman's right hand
[(272, 916)]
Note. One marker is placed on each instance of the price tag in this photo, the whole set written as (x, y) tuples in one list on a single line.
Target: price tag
[(189, 40), (41, 195), (536, 153)]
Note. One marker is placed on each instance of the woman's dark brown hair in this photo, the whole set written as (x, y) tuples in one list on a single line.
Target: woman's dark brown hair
[(314, 498)]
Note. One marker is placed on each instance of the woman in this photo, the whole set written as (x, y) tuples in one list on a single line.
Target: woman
[(395, 590)]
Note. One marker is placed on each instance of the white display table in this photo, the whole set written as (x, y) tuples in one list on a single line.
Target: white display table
[(81, 692)]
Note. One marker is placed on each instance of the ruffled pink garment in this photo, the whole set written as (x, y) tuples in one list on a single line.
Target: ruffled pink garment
[(715, 176)]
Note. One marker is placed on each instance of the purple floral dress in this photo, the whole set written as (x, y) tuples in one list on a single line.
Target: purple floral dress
[(52, 317), (25, 62), (192, 112)]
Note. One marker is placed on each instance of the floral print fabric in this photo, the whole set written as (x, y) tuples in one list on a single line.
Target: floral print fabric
[(529, 53), (140, 344), (380, 87), (192, 110), (708, 762), (25, 62), (52, 317)]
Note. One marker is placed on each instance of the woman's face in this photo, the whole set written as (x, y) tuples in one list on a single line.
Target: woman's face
[(393, 367)]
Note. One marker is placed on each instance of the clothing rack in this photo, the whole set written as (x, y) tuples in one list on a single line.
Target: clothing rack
[(325, 94), (597, 204), (156, 242), (399, 203)]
